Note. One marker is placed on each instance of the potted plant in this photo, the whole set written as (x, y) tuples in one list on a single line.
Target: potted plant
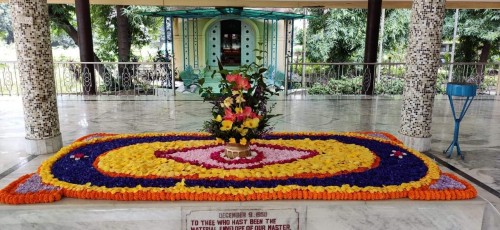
[(240, 112)]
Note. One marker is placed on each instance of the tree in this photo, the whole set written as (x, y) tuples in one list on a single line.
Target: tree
[(117, 29), (120, 28), (133, 29), (396, 31), (58, 15), (338, 35), (479, 38), (479, 34), (6, 31), (62, 18)]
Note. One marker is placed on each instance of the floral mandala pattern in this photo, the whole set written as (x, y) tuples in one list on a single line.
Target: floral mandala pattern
[(189, 166), (212, 156)]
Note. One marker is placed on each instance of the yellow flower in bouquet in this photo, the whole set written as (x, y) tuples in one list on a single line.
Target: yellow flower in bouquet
[(243, 132), (240, 99), (251, 123), (240, 109), (226, 125), (243, 141), (228, 102), (218, 118)]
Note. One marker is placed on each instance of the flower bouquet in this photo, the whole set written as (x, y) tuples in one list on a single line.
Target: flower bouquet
[(240, 111)]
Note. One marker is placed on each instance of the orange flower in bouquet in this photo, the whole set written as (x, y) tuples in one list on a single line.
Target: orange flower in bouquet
[(240, 111)]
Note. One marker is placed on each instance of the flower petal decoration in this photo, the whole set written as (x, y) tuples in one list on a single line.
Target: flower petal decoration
[(210, 157), (189, 166), (242, 98)]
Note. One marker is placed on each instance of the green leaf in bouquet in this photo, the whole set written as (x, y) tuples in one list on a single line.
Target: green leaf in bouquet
[(201, 81), (224, 72), (219, 63)]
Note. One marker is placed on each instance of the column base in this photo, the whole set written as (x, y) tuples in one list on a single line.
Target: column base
[(45, 146), (418, 143)]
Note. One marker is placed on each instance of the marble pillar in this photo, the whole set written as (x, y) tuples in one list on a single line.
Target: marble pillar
[(422, 63), (31, 24)]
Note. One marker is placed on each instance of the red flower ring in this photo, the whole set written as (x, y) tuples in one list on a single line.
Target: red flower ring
[(210, 156), (384, 178)]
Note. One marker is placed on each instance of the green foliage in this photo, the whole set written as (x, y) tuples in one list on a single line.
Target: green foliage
[(482, 24), (142, 29), (338, 35), (396, 29), (318, 89), (475, 29), (62, 40), (391, 86), (60, 16), (387, 85), (104, 32), (396, 32), (255, 98), (343, 85), (442, 79), (488, 82), (466, 51), (6, 32), (58, 13), (353, 85)]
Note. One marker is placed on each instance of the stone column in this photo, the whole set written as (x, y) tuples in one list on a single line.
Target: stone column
[(30, 22), (420, 79)]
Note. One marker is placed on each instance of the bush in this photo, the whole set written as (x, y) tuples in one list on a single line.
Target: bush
[(392, 86), (318, 89), (343, 85), (442, 79)]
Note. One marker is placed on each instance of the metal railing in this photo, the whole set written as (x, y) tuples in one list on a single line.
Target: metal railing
[(347, 78), (156, 78), (111, 78)]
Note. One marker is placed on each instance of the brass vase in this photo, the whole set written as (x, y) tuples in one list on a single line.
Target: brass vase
[(233, 150)]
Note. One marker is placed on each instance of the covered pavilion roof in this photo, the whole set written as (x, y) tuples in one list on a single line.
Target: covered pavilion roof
[(226, 11), (450, 4)]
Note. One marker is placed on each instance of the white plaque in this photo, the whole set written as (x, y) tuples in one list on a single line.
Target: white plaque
[(242, 219)]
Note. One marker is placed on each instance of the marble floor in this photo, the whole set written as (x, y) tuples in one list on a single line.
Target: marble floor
[(479, 138)]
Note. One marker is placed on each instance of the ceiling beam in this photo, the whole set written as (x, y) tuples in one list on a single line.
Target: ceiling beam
[(388, 4)]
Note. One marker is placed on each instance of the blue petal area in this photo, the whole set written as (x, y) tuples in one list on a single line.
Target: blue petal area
[(391, 170), (82, 171)]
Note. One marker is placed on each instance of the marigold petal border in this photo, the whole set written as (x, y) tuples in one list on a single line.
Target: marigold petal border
[(184, 189)]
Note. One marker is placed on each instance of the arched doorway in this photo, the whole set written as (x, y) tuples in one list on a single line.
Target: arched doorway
[(232, 41)]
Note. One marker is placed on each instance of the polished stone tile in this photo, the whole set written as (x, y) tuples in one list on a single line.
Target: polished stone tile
[(480, 132)]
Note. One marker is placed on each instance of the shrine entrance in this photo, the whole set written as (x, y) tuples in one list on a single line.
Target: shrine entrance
[(232, 41)]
